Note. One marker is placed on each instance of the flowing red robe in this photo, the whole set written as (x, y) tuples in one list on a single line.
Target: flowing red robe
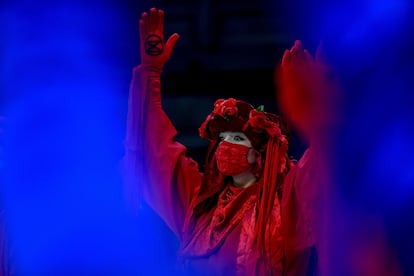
[(221, 240)]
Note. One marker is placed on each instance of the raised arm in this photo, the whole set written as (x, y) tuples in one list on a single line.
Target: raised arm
[(308, 95), (156, 167), (315, 211)]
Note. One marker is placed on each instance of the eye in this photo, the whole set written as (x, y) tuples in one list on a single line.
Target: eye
[(221, 138), (238, 138)]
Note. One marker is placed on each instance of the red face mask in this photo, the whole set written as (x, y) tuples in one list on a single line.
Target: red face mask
[(232, 158)]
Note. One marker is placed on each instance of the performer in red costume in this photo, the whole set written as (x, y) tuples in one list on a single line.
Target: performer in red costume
[(251, 211)]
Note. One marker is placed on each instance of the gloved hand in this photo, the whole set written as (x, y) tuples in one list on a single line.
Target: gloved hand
[(308, 91), (154, 51)]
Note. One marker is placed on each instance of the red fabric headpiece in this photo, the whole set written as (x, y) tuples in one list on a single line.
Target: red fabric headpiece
[(237, 115)]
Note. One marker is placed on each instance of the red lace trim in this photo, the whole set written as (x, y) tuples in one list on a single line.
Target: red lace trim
[(212, 229)]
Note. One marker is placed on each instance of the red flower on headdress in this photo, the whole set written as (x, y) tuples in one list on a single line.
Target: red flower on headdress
[(260, 122), (226, 108), (202, 130)]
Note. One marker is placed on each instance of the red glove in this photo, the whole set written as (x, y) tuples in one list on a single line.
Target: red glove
[(308, 91), (154, 52)]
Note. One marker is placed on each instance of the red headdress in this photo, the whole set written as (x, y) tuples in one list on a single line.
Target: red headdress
[(268, 135)]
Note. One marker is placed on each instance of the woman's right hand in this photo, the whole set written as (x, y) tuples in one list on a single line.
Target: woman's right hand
[(155, 52)]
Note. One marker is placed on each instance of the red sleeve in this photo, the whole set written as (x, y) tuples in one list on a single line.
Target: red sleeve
[(316, 221), (156, 166), (299, 214)]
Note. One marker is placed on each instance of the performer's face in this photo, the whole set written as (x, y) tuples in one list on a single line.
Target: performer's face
[(239, 138)]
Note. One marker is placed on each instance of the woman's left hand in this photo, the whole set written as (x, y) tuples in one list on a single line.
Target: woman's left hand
[(308, 91)]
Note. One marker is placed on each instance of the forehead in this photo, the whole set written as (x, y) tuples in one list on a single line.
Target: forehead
[(233, 133)]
